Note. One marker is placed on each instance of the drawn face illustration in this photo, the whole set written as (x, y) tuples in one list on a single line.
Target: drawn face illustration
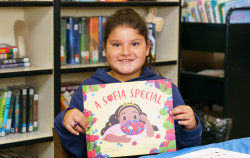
[(129, 113)]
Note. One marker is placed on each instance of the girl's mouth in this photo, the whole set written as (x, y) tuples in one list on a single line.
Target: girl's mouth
[(126, 60)]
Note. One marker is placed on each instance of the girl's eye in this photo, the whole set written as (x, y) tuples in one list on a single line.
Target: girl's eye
[(116, 45), (135, 117), (123, 117), (135, 44)]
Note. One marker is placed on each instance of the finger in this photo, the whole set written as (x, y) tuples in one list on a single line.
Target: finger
[(178, 110), (181, 117), (79, 129), (83, 118), (184, 122), (82, 124), (71, 130)]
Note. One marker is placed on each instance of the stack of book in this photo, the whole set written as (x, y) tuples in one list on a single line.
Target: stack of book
[(67, 91), (215, 11), (10, 59), (18, 110), (82, 37)]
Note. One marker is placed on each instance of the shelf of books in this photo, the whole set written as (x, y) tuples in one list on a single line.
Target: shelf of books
[(26, 74), (166, 42), (120, 4), (26, 3)]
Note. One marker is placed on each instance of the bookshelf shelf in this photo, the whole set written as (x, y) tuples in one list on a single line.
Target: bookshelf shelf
[(26, 4), (118, 4), (203, 37), (15, 140), (26, 71), (94, 67)]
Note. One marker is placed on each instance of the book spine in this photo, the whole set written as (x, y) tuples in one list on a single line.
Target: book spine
[(15, 65), (29, 121), (23, 110), (9, 119), (17, 113), (102, 23), (84, 40), (63, 41), (93, 40), (152, 37), (64, 103), (72, 41), (2, 108), (6, 112), (14, 60), (35, 112), (6, 55), (8, 50)]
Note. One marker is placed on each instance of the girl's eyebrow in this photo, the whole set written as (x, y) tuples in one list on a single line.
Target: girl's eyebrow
[(134, 112), (137, 39), (123, 113)]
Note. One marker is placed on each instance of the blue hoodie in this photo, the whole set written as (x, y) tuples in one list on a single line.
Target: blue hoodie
[(76, 145)]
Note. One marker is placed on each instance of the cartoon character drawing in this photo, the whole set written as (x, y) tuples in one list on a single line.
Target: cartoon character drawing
[(128, 123)]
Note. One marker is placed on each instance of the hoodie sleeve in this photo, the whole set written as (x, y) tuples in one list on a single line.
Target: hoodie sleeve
[(74, 145), (185, 138)]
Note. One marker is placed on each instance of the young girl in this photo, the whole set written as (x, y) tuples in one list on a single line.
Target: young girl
[(127, 49), (127, 113)]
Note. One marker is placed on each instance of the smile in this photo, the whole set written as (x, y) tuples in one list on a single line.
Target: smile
[(127, 60)]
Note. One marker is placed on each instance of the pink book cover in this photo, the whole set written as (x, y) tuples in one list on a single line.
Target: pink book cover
[(129, 118)]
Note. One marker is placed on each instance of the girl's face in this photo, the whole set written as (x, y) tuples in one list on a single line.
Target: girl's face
[(126, 50), (129, 113)]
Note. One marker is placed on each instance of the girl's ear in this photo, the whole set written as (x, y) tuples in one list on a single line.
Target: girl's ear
[(148, 47), (104, 48)]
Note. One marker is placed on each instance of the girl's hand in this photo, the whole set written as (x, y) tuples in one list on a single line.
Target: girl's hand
[(185, 115), (73, 116)]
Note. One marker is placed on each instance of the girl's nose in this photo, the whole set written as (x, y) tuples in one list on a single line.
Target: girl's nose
[(126, 50)]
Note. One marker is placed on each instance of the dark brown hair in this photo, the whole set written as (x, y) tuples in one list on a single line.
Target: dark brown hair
[(130, 18)]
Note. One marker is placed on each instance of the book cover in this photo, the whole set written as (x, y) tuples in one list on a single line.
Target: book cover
[(3, 98), (213, 5), (67, 96), (101, 22), (14, 60), (84, 40), (35, 112), (15, 65), (63, 41), (6, 55), (7, 48), (237, 16), (202, 11), (93, 40), (6, 112), (72, 40), (129, 118), (9, 119), (152, 37)]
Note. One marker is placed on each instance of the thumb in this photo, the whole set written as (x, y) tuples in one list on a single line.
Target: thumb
[(152, 10)]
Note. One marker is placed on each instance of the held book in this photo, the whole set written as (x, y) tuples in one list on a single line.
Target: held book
[(129, 118)]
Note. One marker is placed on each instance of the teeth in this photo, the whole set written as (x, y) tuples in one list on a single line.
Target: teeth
[(126, 60)]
